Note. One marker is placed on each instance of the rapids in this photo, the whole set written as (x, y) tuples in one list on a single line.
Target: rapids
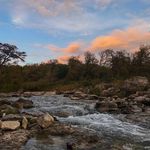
[(83, 115)]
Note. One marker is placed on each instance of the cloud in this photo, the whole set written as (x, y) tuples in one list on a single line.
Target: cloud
[(129, 39), (63, 59), (71, 48), (61, 17)]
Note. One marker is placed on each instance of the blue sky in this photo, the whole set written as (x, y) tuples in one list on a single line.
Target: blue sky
[(48, 29)]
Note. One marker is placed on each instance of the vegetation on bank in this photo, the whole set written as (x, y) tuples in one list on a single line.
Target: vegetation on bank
[(106, 66)]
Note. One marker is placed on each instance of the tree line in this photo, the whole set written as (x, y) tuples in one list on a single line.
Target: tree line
[(105, 66)]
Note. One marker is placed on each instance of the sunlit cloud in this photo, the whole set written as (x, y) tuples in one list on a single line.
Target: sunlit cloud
[(129, 39), (63, 59)]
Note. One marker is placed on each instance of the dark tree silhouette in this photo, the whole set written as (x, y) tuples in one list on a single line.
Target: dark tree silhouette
[(10, 54)]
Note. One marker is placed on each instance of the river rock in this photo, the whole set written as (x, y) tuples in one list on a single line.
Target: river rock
[(49, 93), (74, 98), (10, 125), (106, 107), (140, 98), (24, 123), (147, 110), (4, 101), (110, 92), (135, 84), (136, 109), (14, 140), (7, 109), (23, 103), (45, 120), (93, 97), (146, 102), (12, 117)]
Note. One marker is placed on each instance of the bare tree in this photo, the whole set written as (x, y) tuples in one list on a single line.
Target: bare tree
[(105, 57)]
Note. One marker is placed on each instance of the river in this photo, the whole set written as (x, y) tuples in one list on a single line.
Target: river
[(81, 114)]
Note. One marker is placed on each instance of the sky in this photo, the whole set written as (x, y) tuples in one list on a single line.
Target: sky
[(58, 29)]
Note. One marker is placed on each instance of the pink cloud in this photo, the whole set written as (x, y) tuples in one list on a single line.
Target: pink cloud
[(63, 59), (130, 38), (72, 48)]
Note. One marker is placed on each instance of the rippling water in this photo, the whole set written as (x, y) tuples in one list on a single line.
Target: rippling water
[(82, 114)]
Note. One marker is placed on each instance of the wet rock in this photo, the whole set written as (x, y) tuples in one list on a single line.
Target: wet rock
[(80, 95), (13, 140), (23, 103), (45, 120), (106, 107), (24, 123), (10, 125), (101, 98), (136, 109), (93, 97), (27, 94), (58, 129), (70, 146), (74, 98), (7, 109), (12, 117), (63, 114), (4, 101)]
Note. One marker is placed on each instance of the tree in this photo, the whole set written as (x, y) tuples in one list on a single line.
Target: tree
[(90, 58), (141, 61), (121, 64), (105, 57), (91, 66), (142, 57), (10, 54), (75, 68)]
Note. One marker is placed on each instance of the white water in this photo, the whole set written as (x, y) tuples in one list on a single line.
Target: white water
[(109, 125)]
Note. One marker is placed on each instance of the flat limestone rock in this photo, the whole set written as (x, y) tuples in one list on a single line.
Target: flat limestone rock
[(10, 125)]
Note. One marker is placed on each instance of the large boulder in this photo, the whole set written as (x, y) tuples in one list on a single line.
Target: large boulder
[(45, 120), (10, 125), (23, 103), (135, 84)]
